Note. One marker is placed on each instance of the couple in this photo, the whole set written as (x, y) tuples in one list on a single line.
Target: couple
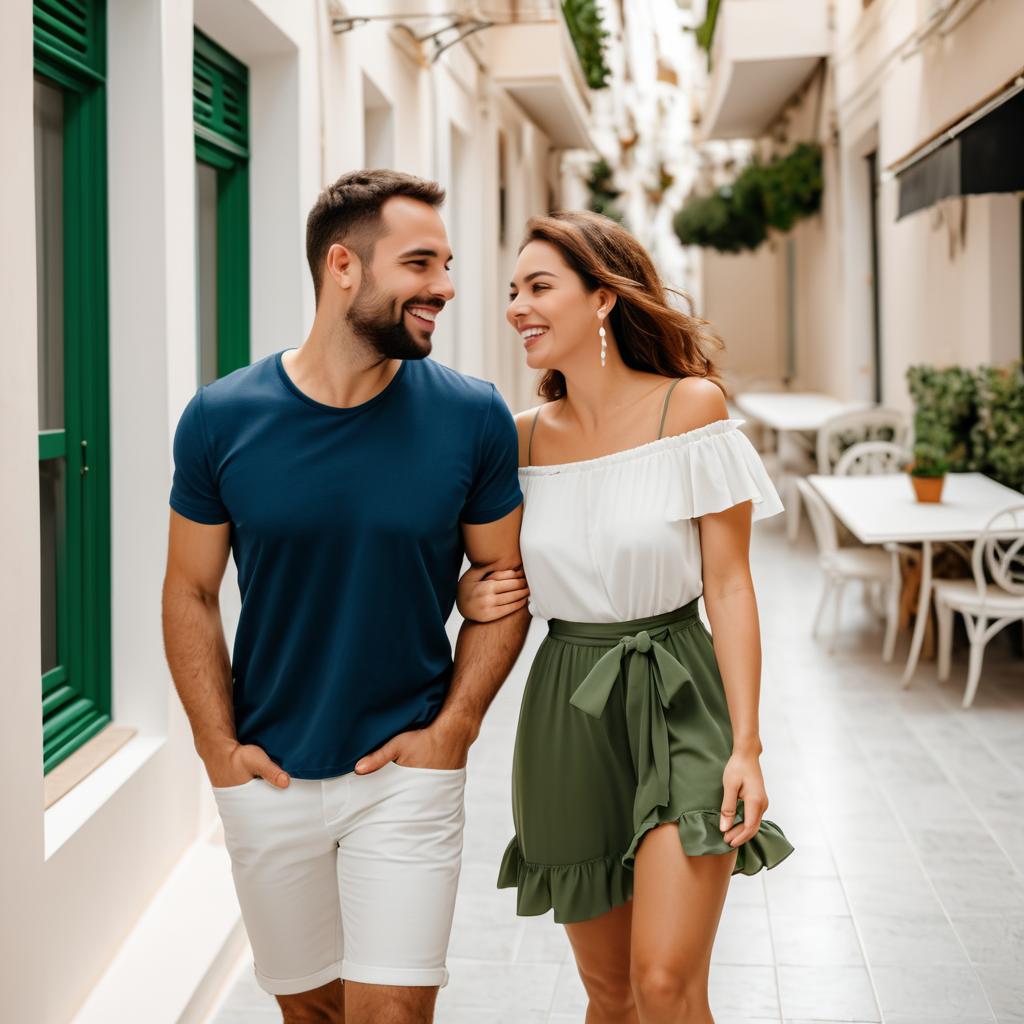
[(349, 477)]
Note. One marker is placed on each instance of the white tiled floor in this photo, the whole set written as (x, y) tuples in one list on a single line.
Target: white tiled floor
[(904, 901)]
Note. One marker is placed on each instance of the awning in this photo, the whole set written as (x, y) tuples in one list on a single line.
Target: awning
[(982, 152)]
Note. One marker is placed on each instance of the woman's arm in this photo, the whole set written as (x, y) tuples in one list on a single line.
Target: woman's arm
[(732, 611), (736, 634), (484, 596)]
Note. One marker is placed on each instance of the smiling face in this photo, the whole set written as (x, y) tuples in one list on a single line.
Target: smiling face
[(551, 309), (406, 282)]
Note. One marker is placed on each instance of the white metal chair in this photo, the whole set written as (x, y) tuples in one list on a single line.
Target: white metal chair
[(871, 457), (869, 565), (867, 458), (986, 607), (849, 428), (795, 460)]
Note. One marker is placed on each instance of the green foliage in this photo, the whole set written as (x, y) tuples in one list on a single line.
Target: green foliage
[(790, 187), (773, 195), (706, 29), (969, 420), (928, 460), (727, 220), (602, 193), (998, 433), (588, 36), (945, 411)]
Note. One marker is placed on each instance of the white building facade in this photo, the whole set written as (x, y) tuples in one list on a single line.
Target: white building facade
[(160, 161), (854, 295)]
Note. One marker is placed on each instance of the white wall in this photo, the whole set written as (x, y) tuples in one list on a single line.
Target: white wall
[(950, 286), (949, 277), (21, 858), (741, 299)]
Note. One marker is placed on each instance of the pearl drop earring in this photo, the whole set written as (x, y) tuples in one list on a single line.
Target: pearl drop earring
[(604, 343)]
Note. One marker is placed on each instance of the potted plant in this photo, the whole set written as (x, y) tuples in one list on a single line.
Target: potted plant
[(928, 471)]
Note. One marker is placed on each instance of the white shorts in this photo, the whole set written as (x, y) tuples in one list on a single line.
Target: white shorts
[(352, 877)]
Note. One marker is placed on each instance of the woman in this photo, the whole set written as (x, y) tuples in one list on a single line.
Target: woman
[(637, 790)]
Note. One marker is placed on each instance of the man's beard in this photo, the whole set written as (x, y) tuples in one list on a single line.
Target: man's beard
[(375, 319)]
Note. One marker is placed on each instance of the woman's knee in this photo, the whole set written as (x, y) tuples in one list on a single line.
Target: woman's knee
[(659, 988), (610, 994)]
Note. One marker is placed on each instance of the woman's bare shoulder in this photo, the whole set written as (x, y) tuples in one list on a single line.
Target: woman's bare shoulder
[(695, 402), (524, 426)]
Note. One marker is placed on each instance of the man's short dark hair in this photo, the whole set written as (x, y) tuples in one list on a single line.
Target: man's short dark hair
[(348, 212)]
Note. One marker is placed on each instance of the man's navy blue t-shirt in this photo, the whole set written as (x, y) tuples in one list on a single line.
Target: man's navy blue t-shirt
[(345, 531)]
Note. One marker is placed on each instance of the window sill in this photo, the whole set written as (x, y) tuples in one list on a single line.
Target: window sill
[(96, 776), (84, 762)]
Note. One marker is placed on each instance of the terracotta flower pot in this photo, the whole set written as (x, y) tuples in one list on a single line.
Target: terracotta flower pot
[(928, 488)]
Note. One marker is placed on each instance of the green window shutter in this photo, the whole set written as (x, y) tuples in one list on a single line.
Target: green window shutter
[(70, 35), (220, 98), (73, 443), (69, 721), (220, 111)]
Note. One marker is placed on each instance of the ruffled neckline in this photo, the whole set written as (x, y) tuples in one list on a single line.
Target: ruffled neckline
[(642, 451)]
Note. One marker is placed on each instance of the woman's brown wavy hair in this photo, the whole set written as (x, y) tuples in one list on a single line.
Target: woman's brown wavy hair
[(651, 335)]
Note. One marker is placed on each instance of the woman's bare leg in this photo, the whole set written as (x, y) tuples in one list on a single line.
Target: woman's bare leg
[(601, 948), (677, 904)]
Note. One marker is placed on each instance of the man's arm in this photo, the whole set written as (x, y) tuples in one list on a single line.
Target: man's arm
[(484, 655), (198, 656)]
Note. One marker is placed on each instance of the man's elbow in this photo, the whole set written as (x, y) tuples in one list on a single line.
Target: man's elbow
[(501, 563), (178, 590)]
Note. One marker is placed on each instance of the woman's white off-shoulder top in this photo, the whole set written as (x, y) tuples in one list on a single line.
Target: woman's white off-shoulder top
[(615, 538)]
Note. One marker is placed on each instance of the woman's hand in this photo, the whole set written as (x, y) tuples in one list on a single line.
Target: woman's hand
[(742, 780), (487, 598)]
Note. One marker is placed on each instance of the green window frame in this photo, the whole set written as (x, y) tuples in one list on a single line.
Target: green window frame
[(69, 49), (220, 110)]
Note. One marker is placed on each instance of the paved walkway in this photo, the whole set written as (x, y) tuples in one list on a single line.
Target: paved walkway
[(904, 901)]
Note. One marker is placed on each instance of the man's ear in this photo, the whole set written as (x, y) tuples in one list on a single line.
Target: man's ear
[(344, 267)]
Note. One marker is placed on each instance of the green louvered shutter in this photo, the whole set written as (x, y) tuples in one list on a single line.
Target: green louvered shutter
[(73, 442), (220, 97), (220, 114), (70, 34)]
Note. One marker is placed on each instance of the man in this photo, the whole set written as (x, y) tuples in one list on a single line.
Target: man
[(348, 477)]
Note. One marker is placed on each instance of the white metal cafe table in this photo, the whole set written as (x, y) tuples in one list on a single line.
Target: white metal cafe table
[(879, 509), (792, 412)]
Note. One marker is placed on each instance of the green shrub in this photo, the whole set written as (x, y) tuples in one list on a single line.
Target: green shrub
[(722, 221), (588, 36), (792, 187), (773, 195), (945, 411), (997, 435), (603, 193)]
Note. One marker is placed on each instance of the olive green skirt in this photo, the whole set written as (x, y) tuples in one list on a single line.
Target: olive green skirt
[(623, 727)]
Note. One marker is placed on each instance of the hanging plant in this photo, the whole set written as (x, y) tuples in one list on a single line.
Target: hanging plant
[(588, 36), (706, 29), (602, 193), (722, 221), (776, 195), (792, 186)]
